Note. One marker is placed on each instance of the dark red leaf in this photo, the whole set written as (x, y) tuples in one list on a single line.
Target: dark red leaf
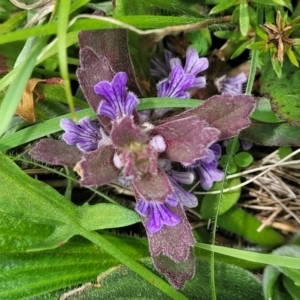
[(96, 168), (56, 152), (187, 138)]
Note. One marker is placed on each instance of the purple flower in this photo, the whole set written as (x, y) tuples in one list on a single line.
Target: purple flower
[(86, 134), (231, 85), (177, 85), (207, 167), (158, 213), (193, 65), (176, 178), (160, 67), (117, 101)]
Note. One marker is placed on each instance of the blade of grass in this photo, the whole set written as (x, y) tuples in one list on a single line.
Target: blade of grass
[(63, 19), (14, 92), (270, 259)]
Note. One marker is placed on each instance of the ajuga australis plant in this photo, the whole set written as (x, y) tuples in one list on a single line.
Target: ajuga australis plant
[(121, 146)]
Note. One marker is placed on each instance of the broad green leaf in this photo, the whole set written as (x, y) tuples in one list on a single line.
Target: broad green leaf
[(292, 251), (209, 202), (243, 159), (244, 17), (239, 222), (271, 278), (31, 200), (264, 113), (114, 285), (223, 5), (283, 92), (292, 288), (24, 275), (282, 134)]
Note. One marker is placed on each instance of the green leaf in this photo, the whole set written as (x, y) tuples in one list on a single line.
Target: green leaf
[(209, 202), (244, 18), (271, 278), (114, 285), (231, 165), (283, 92), (282, 134), (257, 46), (284, 151), (292, 57), (239, 222), (14, 21), (33, 201), (24, 275), (243, 159), (223, 5), (263, 112), (274, 2), (291, 287), (292, 251)]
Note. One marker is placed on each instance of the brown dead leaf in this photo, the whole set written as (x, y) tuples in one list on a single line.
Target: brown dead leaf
[(30, 96)]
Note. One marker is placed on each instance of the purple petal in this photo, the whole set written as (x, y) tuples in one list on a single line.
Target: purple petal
[(185, 198), (160, 67), (102, 54), (172, 241), (194, 65), (158, 214), (232, 85), (182, 177), (177, 85), (86, 134), (208, 174), (118, 102)]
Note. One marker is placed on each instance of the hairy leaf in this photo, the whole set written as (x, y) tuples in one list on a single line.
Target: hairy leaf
[(231, 283), (103, 53), (229, 114), (283, 92), (56, 152), (96, 168), (187, 138), (282, 134)]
